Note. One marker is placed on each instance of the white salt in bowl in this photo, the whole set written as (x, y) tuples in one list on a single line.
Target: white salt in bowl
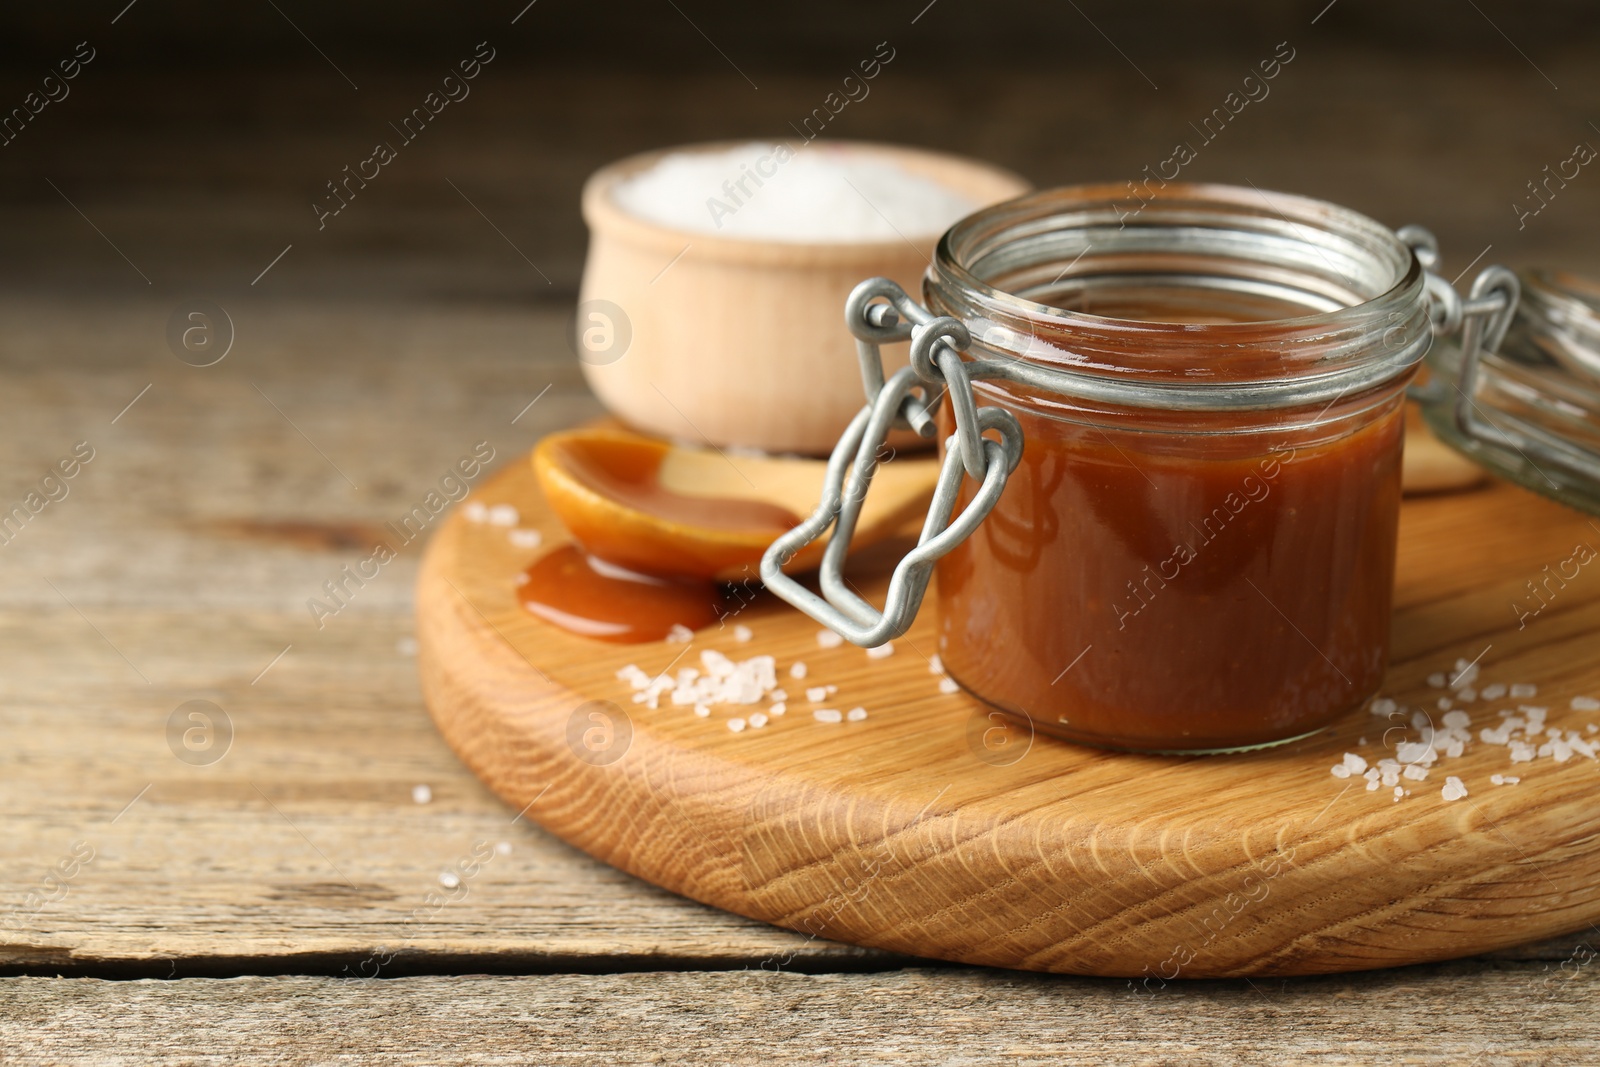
[(740, 341)]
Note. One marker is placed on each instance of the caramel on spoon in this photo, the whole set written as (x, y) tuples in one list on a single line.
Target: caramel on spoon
[(659, 525)]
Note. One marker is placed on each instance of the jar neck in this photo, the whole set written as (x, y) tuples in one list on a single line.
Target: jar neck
[(1200, 297)]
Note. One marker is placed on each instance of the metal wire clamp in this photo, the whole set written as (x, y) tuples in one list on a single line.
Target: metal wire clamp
[(879, 312)]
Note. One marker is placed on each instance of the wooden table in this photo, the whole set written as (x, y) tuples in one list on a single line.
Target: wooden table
[(284, 902), (263, 891)]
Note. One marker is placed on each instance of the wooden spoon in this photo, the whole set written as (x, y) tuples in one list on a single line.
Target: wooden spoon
[(657, 508)]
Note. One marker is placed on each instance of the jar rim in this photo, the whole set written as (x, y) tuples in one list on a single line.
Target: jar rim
[(1299, 213), (1225, 250)]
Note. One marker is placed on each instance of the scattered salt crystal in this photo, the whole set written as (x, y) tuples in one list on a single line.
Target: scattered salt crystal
[(1383, 706), (1372, 785), (777, 709), (701, 711), (1523, 689), (421, 794), (524, 538), (1592, 728), (936, 666), (1353, 763), (1361, 740), (948, 685), (827, 194), (828, 639), (778, 695), (449, 879), (1415, 771), (736, 725), (1467, 695), (817, 694), (1497, 779), (742, 634), (502, 848), (475, 511), (856, 714), (797, 671), (827, 715), (757, 720), (1445, 703), (1453, 789), (1459, 719), (406, 646), (1454, 749), (679, 634), (1464, 675), (1339, 770), (1436, 679), (1398, 793), (1414, 752), (1493, 692), (1585, 704), (502, 515), (1521, 752), (883, 651)]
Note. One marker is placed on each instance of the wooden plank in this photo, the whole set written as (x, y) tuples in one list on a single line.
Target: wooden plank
[(178, 567), (1448, 1015)]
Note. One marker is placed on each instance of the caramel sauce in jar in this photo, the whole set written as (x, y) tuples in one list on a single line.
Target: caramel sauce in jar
[(1196, 551)]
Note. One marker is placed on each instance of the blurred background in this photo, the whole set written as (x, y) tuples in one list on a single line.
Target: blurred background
[(200, 134)]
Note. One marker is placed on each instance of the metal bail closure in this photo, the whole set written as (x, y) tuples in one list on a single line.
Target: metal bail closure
[(907, 400)]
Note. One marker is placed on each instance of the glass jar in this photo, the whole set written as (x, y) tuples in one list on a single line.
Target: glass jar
[(1167, 515), (1529, 410)]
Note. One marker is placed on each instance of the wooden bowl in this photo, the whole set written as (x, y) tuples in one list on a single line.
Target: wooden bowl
[(741, 341)]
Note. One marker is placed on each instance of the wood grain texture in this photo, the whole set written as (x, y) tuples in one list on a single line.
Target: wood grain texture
[(178, 567), (957, 1017), (907, 832)]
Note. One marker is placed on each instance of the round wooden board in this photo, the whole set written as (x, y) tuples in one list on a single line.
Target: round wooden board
[(926, 830)]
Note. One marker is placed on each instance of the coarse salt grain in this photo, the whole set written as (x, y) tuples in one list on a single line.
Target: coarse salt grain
[(502, 848), (948, 685), (856, 714), (757, 720), (475, 511), (1493, 692), (883, 651), (1383, 706), (679, 634), (778, 695), (1523, 689), (827, 715), (701, 711), (421, 794), (742, 634), (502, 515), (817, 693), (763, 190), (736, 725), (525, 538), (797, 671), (449, 879), (828, 639), (936, 666), (777, 709), (1585, 704), (1504, 779), (1436, 679), (1453, 789)]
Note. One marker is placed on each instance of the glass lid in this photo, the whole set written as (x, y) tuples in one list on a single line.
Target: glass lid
[(1529, 408)]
